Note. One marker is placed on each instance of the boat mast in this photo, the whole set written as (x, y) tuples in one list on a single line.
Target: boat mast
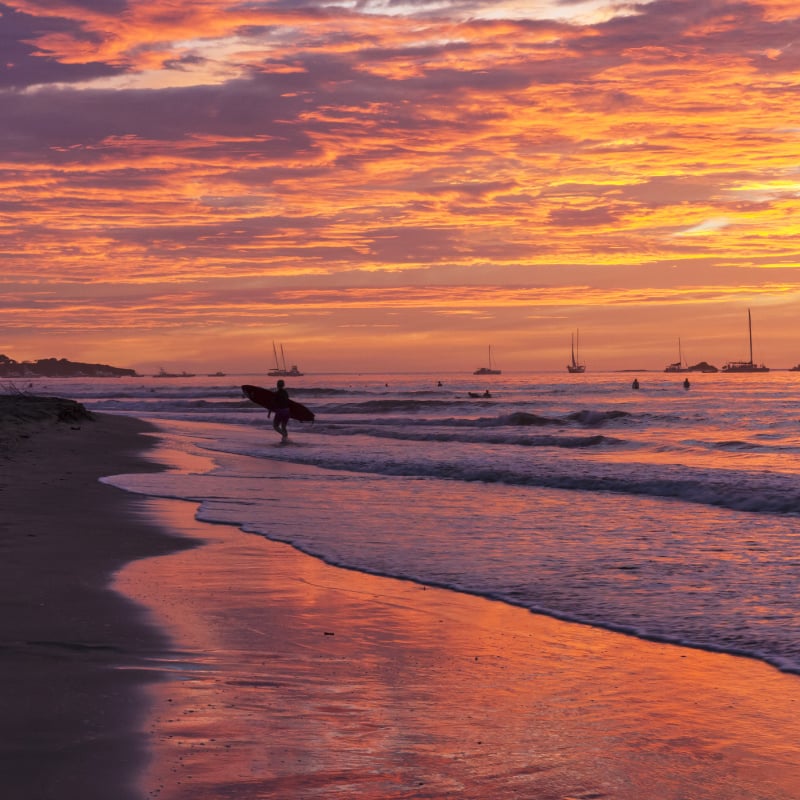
[(750, 329), (283, 359)]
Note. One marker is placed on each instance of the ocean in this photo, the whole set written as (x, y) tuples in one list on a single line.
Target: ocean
[(665, 513)]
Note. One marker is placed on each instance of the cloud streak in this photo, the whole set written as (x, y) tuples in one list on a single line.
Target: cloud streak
[(144, 144)]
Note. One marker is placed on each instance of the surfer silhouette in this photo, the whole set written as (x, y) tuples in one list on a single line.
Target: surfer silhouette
[(281, 410)]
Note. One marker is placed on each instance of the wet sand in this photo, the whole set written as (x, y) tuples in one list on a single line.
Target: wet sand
[(260, 672), (296, 679)]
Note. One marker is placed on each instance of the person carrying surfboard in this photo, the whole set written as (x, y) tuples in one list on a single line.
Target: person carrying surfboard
[(281, 410)]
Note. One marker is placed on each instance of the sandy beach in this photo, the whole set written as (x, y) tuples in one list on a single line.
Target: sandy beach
[(296, 679), (242, 668), (75, 655)]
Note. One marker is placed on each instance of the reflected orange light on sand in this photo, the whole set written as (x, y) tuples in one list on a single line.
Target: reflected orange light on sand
[(295, 678)]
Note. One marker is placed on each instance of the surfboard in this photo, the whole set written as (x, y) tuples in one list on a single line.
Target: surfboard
[(266, 398)]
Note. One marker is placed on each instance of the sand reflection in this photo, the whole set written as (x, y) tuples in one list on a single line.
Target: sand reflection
[(293, 679)]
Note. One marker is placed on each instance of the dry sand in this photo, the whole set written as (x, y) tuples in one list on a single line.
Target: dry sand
[(74, 655), (273, 675)]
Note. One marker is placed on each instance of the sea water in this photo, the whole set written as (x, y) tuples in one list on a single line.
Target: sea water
[(667, 513)]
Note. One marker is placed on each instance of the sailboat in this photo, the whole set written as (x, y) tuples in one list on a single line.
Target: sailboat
[(279, 370), (490, 370), (576, 365), (746, 366), (677, 366)]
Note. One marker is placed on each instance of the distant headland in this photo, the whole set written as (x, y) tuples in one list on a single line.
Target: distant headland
[(59, 368)]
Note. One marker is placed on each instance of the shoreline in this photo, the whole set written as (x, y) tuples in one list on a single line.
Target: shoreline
[(296, 678), (75, 652), (244, 668)]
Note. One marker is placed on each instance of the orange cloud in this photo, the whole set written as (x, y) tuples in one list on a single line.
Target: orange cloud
[(326, 149)]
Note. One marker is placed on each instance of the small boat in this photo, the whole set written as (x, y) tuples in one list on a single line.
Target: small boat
[(162, 373), (746, 366), (490, 370), (677, 366), (216, 375), (279, 370), (575, 366)]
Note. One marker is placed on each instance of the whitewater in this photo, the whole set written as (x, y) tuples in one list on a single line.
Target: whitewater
[(665, 513)]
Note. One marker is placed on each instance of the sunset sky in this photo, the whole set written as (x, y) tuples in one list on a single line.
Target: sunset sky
[(380, 184)]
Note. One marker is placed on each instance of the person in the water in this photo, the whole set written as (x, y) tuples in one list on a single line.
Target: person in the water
[(282, 410)]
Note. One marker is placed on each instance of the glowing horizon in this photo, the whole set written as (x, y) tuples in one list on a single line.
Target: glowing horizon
[(378, 183)]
